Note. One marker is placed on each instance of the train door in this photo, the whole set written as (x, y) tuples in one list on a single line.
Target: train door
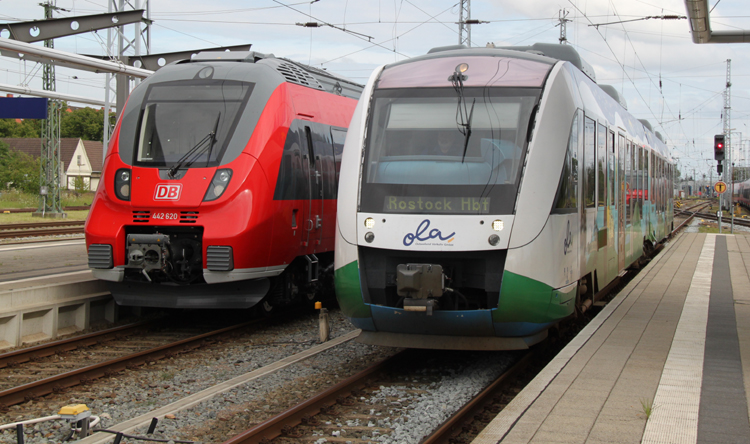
[(601, 204), (613, 239), (589, 229), (324, 151), (313, 221), (621, 200)]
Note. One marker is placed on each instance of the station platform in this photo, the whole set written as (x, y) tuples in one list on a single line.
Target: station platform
[(666, 361)]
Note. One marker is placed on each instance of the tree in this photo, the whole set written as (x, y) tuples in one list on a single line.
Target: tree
[(83, 123), (18, 170), (26, 128)]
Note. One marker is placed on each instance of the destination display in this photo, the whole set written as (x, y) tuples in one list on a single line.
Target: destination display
[(422, 204)]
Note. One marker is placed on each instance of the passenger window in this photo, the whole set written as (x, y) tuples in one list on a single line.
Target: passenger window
[(567, 190), (601, 166), (338, 135), (589, 171)]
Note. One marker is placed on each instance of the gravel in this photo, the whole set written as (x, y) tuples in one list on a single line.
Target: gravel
[(441, 384), (137, 392)]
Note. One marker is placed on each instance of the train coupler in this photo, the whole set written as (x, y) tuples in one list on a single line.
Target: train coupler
[(419, 285), (425, 305)]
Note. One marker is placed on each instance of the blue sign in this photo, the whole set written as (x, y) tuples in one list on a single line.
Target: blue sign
[(23, 108)]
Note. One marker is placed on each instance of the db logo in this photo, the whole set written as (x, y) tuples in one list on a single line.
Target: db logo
[(166, 191)]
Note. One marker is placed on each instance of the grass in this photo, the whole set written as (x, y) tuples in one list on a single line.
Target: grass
[(710, 229), (648, 407), (22, 218), (16, 199)]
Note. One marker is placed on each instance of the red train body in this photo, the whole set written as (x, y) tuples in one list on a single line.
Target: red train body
[(219, 184)]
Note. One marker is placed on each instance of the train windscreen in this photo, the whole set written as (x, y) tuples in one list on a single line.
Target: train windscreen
[(427, 148), (189, 122)]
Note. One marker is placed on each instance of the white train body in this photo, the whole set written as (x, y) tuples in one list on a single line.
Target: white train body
[(552, 193)]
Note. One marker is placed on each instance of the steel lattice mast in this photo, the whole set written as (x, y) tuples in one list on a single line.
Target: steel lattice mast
[(464, 16), (50, 169), (118, 85)]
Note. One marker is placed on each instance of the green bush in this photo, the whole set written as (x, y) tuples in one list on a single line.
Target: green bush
[(18, 171)]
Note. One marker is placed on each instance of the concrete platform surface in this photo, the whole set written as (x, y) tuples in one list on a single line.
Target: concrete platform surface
[(667, 361)]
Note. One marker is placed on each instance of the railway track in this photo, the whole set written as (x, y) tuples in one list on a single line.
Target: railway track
[(53, 228), (362, 407), (38, 371), (31, 210)]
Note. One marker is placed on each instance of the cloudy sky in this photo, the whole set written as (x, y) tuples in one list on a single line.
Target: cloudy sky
[(664, 77)]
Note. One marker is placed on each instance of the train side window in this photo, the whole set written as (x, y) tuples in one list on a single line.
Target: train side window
[(292, 181), (643, 176), (628, 180), (322, 161), (611, 168), (601, 166), (567, 190), (650, 174), (589, 163), (338, 135)]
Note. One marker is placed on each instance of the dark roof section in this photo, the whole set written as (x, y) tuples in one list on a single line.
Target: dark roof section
[(292, 71), (461, 50), (33, 147), (609, 89), (553, 51), (559, 52)]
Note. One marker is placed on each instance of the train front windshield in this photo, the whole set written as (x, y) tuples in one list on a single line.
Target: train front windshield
[(425, 155), (189, 121)]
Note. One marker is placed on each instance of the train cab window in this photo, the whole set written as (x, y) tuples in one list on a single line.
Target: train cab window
[(418, 147), (589, 164), (601, 166), (188, 121), (567, 190)]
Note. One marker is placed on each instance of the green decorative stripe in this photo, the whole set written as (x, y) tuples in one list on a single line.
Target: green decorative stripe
[(527, 300), (349, 292)]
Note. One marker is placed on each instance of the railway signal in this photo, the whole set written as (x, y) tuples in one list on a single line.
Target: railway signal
[(719, 147), (719, 168)]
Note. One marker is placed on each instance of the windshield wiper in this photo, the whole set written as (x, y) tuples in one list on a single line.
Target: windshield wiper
[(467, 126), (196, 151), (463, 118)]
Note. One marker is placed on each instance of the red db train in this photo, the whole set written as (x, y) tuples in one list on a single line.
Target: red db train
[(220, 182)]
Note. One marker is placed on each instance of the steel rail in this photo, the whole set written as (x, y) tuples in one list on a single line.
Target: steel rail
[(5, 234), (286, 420), (443, 435), (32, 210), (16, 357), (34, 225), (86, 375), (724, 220)]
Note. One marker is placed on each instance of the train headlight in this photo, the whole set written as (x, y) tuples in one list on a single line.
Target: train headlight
[(218, 184), (369, 223), (497, 225), (122, 184), (494, 240), (369, 237)]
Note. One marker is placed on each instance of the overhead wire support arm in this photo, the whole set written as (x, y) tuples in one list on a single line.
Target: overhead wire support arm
[(322, 24), (659, 17)]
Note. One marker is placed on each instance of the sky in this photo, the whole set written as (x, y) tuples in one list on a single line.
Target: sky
[(665, 78)]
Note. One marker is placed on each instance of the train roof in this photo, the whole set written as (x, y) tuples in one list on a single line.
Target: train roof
[(291, 71), (547, 53)]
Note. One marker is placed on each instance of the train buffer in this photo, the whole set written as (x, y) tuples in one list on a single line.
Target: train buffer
[(667, 360)]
